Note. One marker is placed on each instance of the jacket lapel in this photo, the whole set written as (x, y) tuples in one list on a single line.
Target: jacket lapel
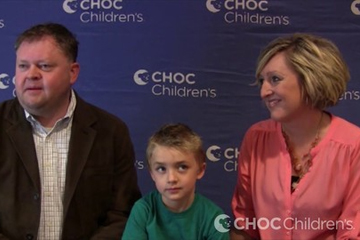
[(81, 141), (20, 133)]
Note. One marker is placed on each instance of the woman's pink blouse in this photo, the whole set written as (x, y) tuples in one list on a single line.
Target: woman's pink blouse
[(326, 203)]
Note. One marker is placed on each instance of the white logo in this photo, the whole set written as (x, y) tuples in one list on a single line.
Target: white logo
[(222, 223), (5, 81), (290, 223), (2, 23), (227, 156), (172, 84), (213, 5), (350, 95), (213, 153), (141, 77), (355, 7), (246, 12), (70, 6)]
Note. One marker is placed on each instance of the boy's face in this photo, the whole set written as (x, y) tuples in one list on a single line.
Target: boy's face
[(175, 174)]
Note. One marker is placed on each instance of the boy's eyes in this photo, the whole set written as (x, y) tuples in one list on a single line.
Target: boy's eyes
[(180, 168), (160, 169), (183, 167)]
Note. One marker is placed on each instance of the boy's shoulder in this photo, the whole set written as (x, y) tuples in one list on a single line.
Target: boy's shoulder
[(147, 205), (202, 202), (150, 198)]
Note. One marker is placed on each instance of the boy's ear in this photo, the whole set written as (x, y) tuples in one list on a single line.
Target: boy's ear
[(152, 175), (201, 171)]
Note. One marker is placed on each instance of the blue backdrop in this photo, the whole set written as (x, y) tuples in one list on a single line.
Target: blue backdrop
[(152, 62)]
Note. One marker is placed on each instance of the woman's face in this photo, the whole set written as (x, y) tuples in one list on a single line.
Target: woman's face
[(280, 89)]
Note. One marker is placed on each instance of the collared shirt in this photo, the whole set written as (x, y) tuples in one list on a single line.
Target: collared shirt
[(52, 146), (325, 203)]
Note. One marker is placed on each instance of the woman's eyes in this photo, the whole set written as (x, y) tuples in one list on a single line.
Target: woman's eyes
[(260, 81), (275, 79), (272, 79)]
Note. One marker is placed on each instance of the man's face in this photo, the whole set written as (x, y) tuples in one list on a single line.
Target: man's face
[(43, 77)]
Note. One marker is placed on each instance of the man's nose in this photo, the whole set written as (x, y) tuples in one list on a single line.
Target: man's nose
[(33, 72)]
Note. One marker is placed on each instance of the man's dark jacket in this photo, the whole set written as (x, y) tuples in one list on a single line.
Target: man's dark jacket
[(101, 183)]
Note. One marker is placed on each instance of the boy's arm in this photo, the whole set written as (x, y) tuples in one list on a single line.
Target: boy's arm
[(136, 225), (219, 227)]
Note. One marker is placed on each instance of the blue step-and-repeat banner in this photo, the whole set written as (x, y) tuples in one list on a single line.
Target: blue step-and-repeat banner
[(152, 62)]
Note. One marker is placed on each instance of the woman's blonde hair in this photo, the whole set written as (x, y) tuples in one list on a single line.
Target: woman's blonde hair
[(322, 71)]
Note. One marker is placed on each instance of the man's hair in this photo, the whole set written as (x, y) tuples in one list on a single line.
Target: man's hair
[(178, 136), (65, 39), (322, 71)]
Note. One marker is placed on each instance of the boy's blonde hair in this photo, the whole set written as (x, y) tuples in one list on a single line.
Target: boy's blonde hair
[(322, 71), (178, 136)]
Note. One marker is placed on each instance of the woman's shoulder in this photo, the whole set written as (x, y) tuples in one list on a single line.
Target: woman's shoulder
[(342, 129), (263, 126)]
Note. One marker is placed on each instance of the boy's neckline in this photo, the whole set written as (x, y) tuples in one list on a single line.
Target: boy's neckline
[(189, 206)]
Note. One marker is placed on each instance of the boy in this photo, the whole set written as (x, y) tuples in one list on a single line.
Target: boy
[(176, 161)]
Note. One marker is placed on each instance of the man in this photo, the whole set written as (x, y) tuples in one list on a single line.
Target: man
[(66, 167)]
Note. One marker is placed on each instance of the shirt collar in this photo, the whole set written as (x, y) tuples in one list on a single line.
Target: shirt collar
[(65, 120)]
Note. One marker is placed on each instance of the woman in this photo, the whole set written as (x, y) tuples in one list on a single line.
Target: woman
[(299, 172)]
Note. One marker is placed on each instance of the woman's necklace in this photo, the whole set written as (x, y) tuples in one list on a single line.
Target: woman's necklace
[(301, 165)]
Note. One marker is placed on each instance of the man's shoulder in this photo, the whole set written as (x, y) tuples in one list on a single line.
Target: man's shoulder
[(9, 103), (86, 111), (10, 108)]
